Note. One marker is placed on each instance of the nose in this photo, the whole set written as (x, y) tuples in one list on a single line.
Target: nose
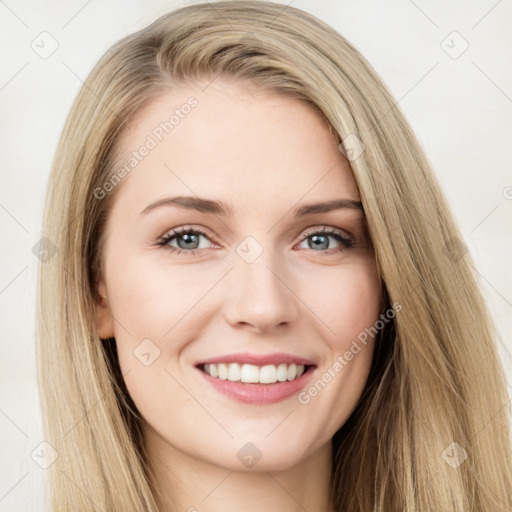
[(260, 296)]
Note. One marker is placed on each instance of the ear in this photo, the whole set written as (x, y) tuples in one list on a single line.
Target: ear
[(104, 319)]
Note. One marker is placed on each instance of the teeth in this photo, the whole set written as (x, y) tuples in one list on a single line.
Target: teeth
[(223, 371), (282, 372), (251, 373), (234, 372)]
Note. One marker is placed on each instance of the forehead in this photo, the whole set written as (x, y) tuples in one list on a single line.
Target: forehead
[(234, 143)]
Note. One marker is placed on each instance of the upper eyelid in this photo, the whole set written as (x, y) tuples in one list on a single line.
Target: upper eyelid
[(330, 230)]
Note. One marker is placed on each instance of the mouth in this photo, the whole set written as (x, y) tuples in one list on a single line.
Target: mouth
[(255, 384), (254, 374)]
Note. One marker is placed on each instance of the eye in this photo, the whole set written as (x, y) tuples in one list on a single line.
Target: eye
[(187, 239), (320, 239)]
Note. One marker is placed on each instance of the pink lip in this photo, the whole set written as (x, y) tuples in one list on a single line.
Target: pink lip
[(250, 393), (257, 359)]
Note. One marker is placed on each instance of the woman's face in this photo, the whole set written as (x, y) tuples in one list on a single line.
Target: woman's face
[(253, 280)]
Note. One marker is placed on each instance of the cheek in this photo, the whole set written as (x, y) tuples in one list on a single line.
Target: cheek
[(347, 301), (155, 307), (156, 300), (349, 310)]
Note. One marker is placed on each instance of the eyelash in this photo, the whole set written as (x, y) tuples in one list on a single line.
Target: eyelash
[(346, 242)]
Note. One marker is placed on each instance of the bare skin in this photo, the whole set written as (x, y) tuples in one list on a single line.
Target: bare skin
[(264, 155)]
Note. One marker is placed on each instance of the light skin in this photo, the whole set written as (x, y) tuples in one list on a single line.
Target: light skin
[(264, 155)]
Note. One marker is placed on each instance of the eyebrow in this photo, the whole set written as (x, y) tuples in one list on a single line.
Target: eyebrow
[(219, 208)]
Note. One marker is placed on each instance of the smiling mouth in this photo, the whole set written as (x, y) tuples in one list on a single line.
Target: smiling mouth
[(253, 374)]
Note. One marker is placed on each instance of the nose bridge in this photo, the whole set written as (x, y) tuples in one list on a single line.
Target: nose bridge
[(260, 294)]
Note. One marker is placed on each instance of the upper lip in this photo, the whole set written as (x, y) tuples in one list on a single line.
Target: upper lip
[(257, 359)]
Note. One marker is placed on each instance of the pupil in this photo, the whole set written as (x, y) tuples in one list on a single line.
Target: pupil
[(322, 244), (187, 238)]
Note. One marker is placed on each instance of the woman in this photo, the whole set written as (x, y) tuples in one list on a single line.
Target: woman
[(260, 299)]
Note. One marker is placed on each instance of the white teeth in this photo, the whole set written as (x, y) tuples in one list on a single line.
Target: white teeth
[(282, 372), (234, 372), (251, 373), (223, 371), (268, 374), (213, 371)]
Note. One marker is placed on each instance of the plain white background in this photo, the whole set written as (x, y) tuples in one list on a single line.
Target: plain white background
[(447, 64)]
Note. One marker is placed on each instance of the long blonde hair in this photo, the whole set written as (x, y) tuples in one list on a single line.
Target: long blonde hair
[(436, 390)]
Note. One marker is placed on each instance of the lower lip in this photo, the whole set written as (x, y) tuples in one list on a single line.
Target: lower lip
[(258, 393)]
